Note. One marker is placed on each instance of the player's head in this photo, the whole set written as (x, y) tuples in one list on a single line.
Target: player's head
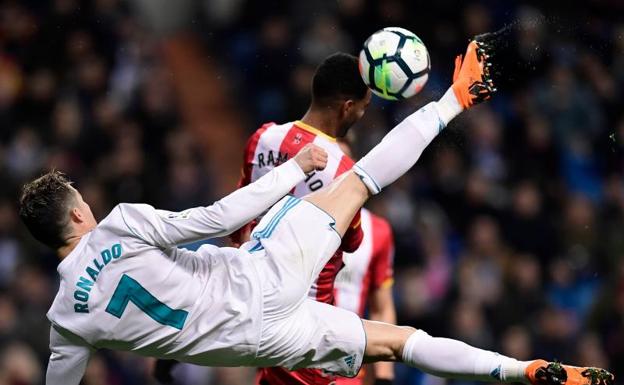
[(338, 86), (53, 210)]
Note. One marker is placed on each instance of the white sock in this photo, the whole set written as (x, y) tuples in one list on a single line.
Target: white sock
[(402, 146), (449, 358), (448, 106)]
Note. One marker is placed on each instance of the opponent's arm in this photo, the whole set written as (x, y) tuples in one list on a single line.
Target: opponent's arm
[(164, 228), (381, 303), (381, 308), (68, 360)]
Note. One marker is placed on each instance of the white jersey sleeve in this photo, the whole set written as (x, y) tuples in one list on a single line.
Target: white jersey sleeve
[(68, 360), (125, 286), (162, 228)]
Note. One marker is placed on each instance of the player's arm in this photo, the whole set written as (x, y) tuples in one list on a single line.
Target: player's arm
[(381, 303), (164, 228), (68, 360), (381, 308)]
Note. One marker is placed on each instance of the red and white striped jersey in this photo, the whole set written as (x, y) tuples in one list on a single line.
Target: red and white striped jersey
[(273, 144), (369, 267)]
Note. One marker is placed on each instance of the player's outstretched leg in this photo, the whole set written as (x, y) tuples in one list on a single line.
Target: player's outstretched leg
[(402, 146), (397, 153), (449, 358)]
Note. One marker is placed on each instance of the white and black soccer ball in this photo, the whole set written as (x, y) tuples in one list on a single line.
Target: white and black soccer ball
[(394, 63)]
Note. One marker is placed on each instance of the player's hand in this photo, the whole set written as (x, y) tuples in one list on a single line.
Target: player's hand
[(311, 157)]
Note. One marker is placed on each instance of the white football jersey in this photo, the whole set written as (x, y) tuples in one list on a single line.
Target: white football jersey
[(126, 286)]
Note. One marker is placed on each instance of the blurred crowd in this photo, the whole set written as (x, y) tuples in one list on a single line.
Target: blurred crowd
[(508, 232)]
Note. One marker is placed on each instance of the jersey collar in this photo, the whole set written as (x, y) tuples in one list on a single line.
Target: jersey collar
[(81, 244), (313, 130)]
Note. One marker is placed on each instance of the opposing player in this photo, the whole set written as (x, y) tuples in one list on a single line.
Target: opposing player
[(339, 99), (125, 286)]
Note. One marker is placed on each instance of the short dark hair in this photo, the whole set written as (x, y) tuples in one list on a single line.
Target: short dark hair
[(44, 207), (338, 78)]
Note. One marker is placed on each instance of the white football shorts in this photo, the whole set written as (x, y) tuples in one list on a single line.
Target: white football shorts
[(290, 246)]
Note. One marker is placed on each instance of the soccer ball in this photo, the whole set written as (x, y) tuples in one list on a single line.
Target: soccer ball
[(394, 63)]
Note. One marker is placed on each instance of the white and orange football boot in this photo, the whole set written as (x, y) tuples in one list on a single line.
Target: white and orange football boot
[(472, 83), (540, 372)]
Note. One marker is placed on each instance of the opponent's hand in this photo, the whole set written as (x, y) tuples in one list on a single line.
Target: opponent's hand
[(311, 157)]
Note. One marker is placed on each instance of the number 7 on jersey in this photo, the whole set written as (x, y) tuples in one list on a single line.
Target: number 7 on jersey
[(129, 290)]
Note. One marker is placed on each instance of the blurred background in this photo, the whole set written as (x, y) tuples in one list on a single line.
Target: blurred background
[(508, 231)]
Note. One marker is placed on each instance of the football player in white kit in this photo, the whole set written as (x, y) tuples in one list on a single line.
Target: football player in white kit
[(126, 286)]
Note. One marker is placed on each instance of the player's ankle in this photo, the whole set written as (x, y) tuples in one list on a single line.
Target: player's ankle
[(449, 105), (515, 371), (459, 88)]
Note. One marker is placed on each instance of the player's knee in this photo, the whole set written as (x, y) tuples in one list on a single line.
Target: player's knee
[(385, 341), (412, 336), (406, 332), (355, 184), (349, 184)]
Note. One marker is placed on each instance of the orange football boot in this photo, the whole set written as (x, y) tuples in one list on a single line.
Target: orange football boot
[(540, 372), (471, 80)]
